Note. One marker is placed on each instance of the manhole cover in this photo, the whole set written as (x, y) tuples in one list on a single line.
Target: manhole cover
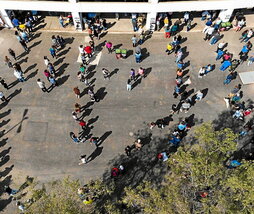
[(36, 131)]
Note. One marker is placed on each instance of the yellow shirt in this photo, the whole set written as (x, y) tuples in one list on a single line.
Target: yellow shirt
[(169, 47), (22, 27), (88, 202)]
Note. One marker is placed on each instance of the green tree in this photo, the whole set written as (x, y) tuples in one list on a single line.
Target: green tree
[(58, 197), (196, 169)]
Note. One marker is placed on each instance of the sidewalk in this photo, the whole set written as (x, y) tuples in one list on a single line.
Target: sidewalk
[(125, 26)]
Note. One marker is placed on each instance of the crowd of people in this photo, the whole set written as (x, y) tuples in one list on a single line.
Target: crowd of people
[(184, 97)]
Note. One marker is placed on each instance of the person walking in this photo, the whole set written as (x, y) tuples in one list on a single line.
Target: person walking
[(106, 73), (76, 92), (83, 160), (109, 47), (3, 83), (2, 97), (52, 51), (41, 85), (8, 61), (12, 53), (134, 40), (129, 86)]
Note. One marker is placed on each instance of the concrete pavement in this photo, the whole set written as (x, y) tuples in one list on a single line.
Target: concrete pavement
[(39, 126)]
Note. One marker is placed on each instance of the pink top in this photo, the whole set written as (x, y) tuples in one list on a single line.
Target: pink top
[(108, 44)]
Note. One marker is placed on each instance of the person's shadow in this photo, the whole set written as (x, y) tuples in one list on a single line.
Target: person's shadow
[(95, 154), (104, 137)]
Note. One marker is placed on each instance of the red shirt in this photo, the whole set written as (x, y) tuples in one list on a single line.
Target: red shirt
[(82, 123), (88, 49)]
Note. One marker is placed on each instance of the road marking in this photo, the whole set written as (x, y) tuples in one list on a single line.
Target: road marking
[(95, 58)]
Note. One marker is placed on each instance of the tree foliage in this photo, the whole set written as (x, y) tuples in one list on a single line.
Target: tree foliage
[(198, 179)]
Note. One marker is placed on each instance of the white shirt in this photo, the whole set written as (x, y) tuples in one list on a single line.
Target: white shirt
[(1, 94), (221, 45), (46, 61), (81, 50), (41, 84), (17, 74), (209, 30)]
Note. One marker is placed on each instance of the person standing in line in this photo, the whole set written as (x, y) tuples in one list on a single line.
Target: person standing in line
[(76, 92), (8, 61), (19, 75), (41, 85), (12, 53), (29, 25), (83, 160), (81, 49), (51, 69), (94, 140), (46, 61), (75, 116), (60, 41), (53, 81), (106, 73), (3, 83), (74, 138), (2, 97), (141, 38), (215, 38), (220, 46), (129, 86), (77, 107), (132, 74), (83, 59), (109, 47), (198, 96), (18, 67), (138, 57), (134, 40), (83, 124), (23, 43), (47, 74), (170, 48), (90, 32), (61, 21), (24, 36), (18, 36), (220, 53), (52, 51), (92, 45), (88, 51)]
